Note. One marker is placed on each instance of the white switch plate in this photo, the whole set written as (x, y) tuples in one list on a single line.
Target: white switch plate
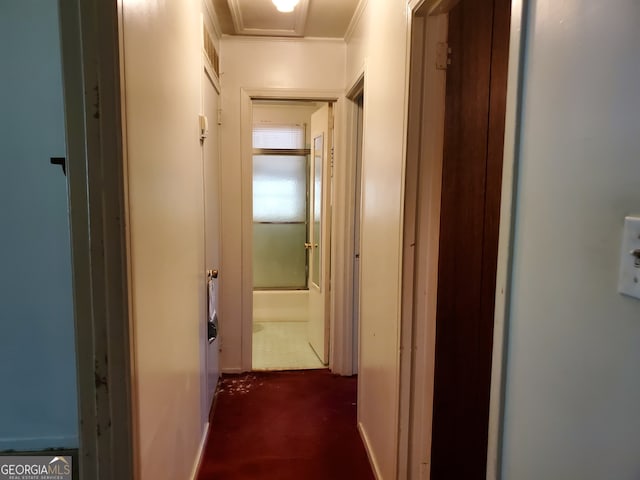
[(629, 283)]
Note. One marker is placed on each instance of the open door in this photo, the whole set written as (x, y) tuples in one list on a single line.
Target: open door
[(474, 123), (211, 167), (457, 98), (319, 230)]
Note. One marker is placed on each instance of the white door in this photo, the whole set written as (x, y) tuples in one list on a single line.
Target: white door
[(319, 230), (356, 233), (211, 173)]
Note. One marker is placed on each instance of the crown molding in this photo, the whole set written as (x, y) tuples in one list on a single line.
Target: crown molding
[(355, 19), (297, 31)]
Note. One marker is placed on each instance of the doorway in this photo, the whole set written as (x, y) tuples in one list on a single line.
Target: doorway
[(289, 189), (454, 179), (357, 206)]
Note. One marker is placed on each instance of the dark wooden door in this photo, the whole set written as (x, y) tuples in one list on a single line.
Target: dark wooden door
[(471, 183)]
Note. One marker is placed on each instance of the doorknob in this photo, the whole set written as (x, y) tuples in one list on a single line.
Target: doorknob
[(212, 273), (307, 245)]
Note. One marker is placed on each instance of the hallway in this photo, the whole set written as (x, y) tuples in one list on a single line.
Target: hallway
[(113, 332), (285, 426)]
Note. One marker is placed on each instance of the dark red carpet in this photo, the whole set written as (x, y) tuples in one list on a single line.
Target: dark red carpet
[(287, 426)]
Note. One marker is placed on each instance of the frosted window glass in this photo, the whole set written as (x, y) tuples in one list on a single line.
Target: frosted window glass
[(279, 256), (279, 188), (278, 136)]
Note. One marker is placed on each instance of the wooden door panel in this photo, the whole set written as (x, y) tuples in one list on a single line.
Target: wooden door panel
[(471, 182)]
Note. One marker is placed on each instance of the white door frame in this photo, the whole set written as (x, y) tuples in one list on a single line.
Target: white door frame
[(353, 215), (342, 242), (515, 79), (418, 317), (421, 245), (337, 340), (97, 198)]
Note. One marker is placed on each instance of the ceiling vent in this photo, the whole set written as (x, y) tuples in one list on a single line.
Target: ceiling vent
[(210, 51)]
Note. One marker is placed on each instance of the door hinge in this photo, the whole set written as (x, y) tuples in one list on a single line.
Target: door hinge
[(332, 158), (443, 56), (219, 116)]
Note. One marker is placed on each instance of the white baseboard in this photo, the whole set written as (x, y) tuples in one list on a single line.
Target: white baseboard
[(198, 461), (367, 447)]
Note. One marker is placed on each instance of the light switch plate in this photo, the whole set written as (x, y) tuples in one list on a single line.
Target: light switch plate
[(629, 283)]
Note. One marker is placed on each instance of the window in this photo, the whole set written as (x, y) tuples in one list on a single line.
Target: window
[(279, 207)]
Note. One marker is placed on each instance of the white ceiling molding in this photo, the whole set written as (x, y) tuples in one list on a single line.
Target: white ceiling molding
[(355, 19), (213, 18), (294, 27)]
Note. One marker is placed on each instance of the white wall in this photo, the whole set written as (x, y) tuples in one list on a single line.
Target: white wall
[(257, 64), (162, 67), (38, 399), (378, 44), (573, 388)]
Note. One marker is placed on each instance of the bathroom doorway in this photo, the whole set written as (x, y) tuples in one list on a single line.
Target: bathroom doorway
[(288, 195)]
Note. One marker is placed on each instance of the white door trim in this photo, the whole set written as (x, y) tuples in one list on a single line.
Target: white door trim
[(517, 43), (342, 306), (344, 299), (421, 246), (246, 196), (97, 197)]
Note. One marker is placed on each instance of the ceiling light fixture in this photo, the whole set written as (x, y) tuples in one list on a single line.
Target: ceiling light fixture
[(285, 5)]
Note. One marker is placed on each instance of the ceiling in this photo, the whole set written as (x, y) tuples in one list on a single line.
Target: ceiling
[(311, 18)]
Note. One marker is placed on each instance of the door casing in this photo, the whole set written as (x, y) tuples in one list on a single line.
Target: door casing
[(346, 220), (97, 197), (421, 227), (416, 384), (247, 96)]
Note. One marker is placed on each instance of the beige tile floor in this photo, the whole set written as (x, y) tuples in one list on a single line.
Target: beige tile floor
[(282, 346)]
